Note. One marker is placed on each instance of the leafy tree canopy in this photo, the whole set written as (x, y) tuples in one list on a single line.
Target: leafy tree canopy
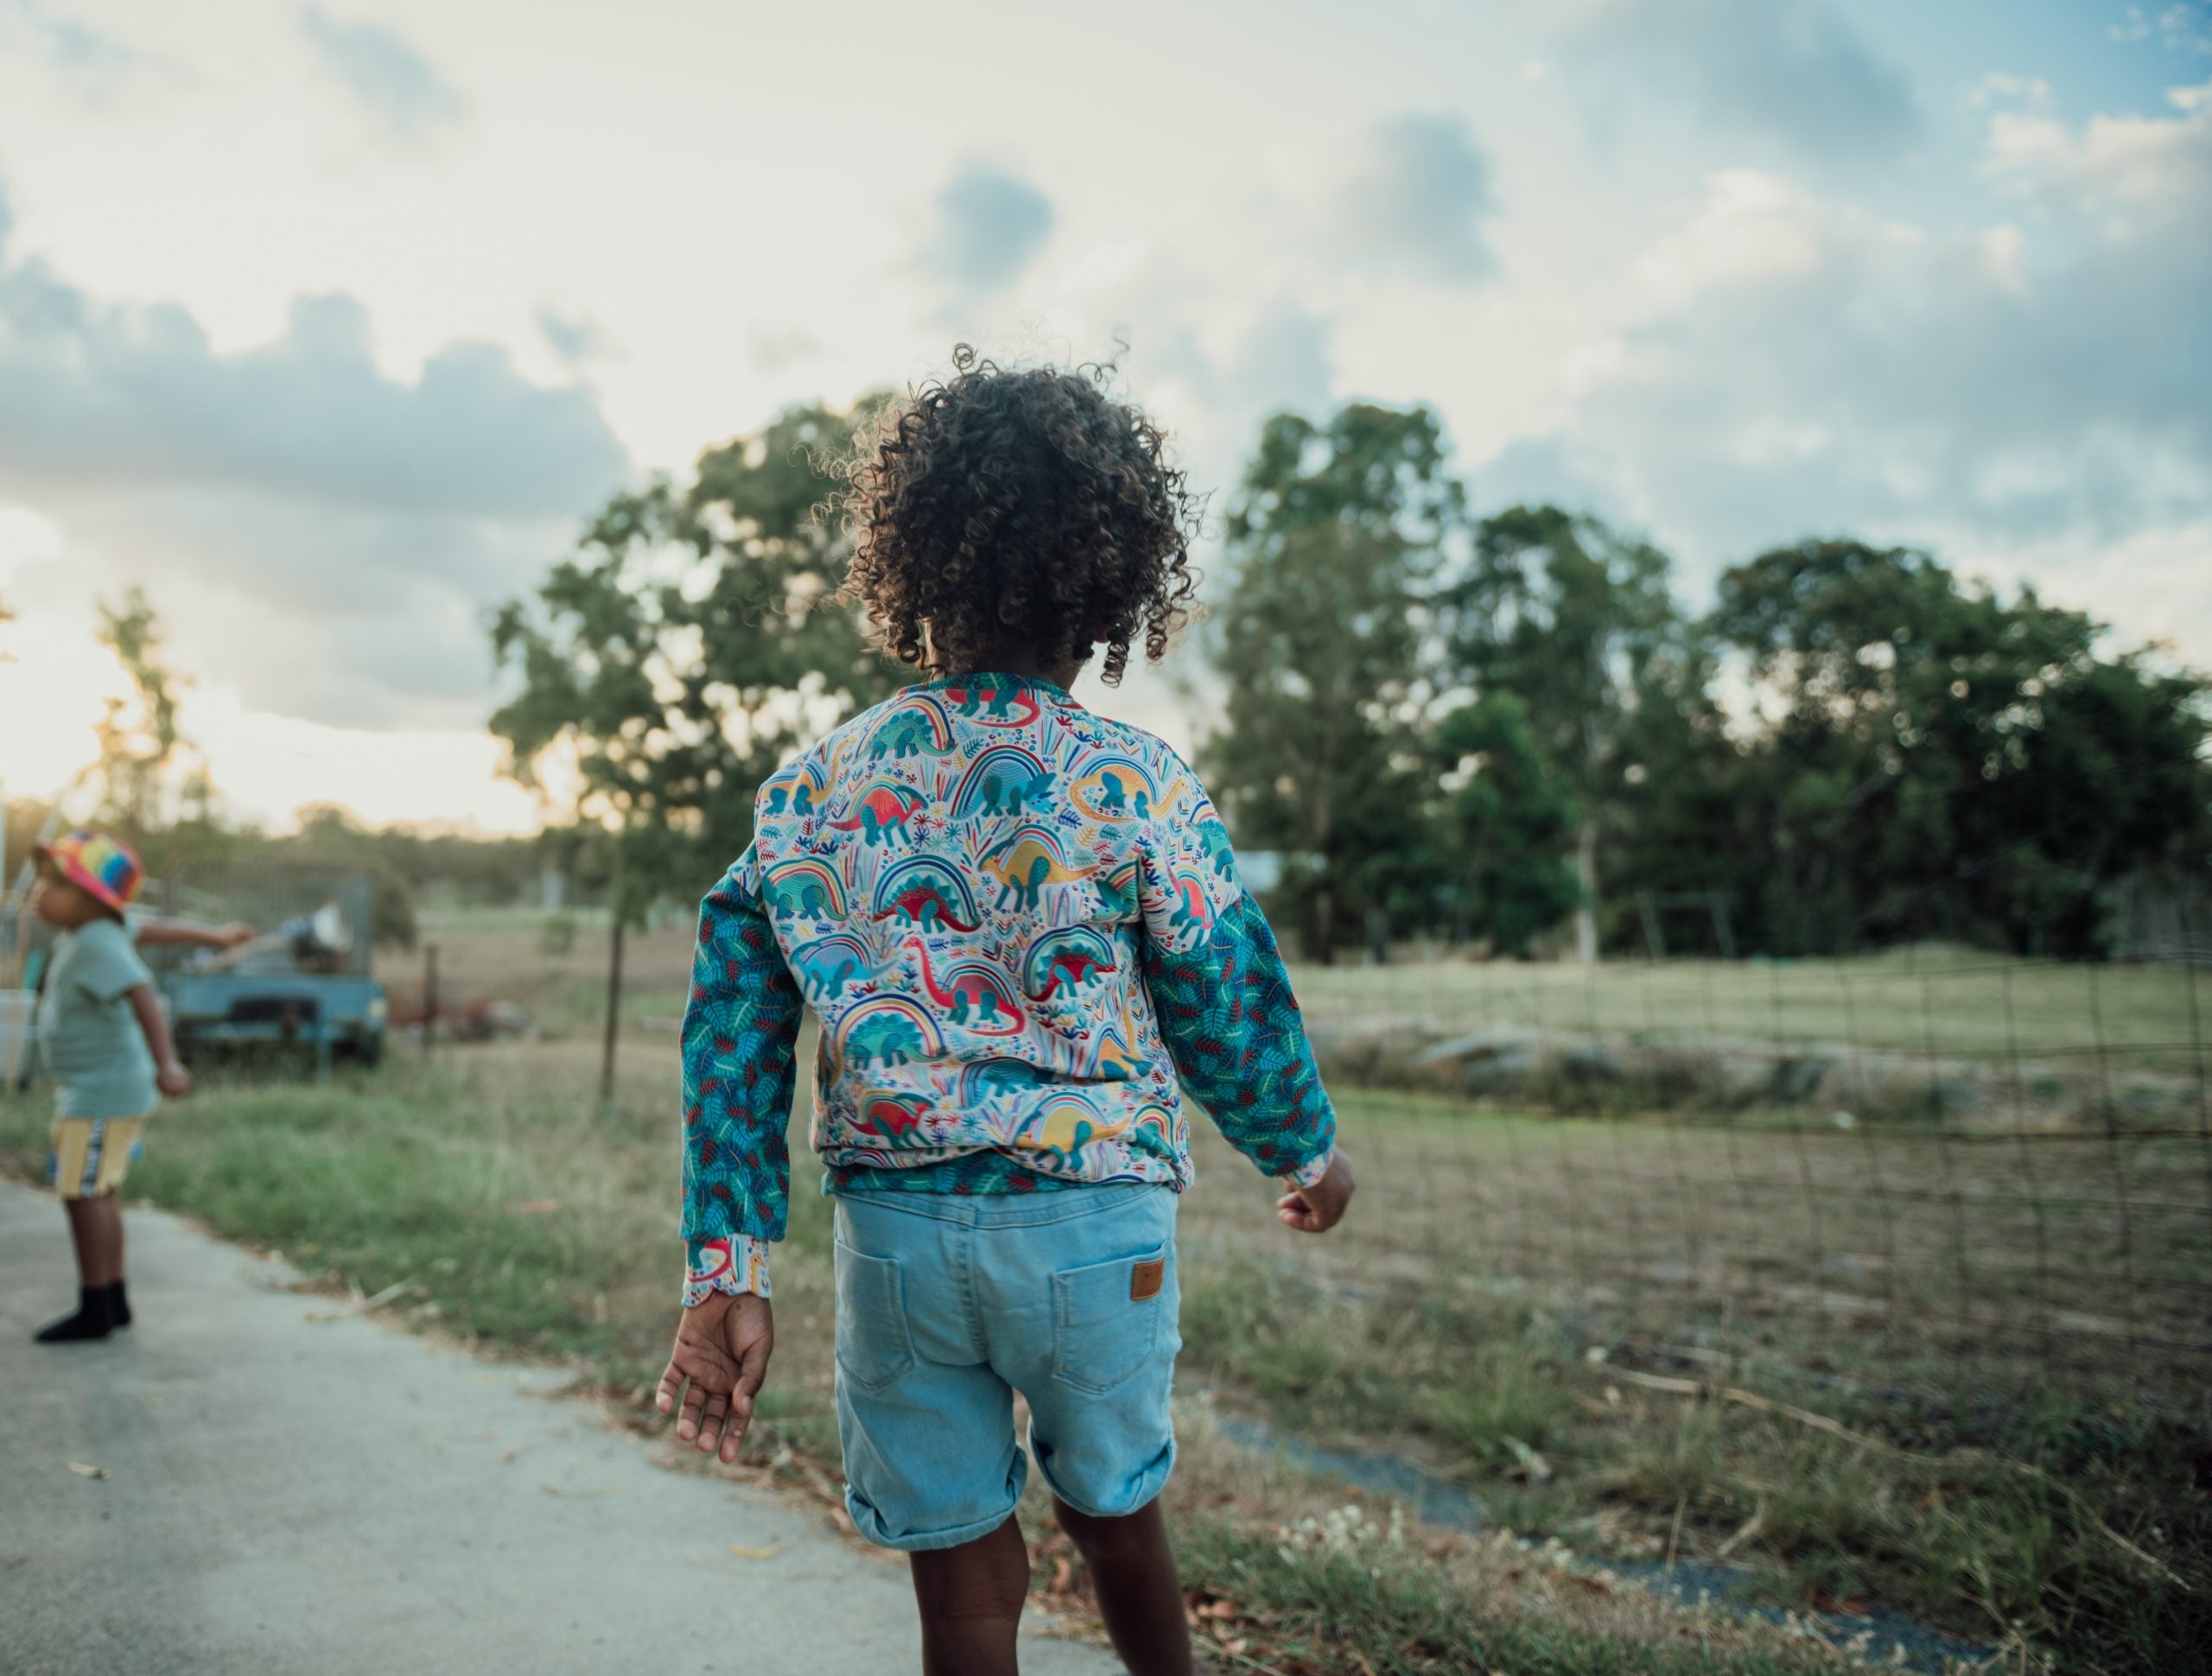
[(1330, 537), (687, 649)]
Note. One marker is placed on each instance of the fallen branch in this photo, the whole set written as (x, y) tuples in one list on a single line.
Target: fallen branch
[(1751, 1528), (360, 1306), (1702, 1390)]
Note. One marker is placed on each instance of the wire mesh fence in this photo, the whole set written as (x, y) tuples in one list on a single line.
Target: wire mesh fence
[(1914, 1170), (1922, 1167)]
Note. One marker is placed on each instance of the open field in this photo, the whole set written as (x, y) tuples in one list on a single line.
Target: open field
[(1944, 1001), (1933, 1000), (1931, 1256), (2061, 1220)]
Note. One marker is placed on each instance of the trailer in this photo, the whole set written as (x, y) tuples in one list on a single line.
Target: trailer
[(302, 983)]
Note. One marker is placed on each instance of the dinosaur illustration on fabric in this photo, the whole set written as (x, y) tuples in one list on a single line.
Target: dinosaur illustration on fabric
[(1023, 929), (881, 812)]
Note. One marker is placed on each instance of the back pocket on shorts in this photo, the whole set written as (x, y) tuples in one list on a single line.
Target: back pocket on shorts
[(1108, 1319), (874, 1344)]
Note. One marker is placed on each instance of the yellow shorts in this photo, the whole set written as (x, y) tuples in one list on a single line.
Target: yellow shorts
[(92, 1155)]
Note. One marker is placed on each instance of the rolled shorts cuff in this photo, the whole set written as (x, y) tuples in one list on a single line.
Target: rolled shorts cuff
[(1138, 1495), (869, 1523)]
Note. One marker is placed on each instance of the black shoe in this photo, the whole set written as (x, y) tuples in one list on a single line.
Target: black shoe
[(118, 1306), (92, 1320)]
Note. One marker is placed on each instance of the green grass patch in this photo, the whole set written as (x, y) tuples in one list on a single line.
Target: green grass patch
[(1347, 1597), (1951, 1534)]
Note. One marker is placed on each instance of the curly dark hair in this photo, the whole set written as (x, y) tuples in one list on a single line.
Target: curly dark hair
[(1017, 508)]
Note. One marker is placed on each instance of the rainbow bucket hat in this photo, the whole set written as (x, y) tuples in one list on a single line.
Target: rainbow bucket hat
[(93, 861)]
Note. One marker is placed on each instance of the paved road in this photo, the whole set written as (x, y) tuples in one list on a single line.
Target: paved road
[(327, 1497)]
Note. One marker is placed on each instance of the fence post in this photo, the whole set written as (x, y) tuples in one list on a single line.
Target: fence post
[(614, 1018)]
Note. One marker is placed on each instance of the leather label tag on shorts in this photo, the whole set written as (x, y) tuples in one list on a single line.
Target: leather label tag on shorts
[(1146, 1278)]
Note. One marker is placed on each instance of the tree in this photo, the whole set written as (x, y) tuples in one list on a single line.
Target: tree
[(689, 646), (1508, 821), (1579, 624), (1944, 762), (1331, 531), (146, 770)]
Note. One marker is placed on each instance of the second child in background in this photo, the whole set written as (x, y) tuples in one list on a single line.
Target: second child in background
[(105, 1044)]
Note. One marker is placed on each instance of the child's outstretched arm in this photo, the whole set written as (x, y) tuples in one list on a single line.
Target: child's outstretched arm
[(189, 934), (740, 1029), (169, 1074), (1226, 1012)]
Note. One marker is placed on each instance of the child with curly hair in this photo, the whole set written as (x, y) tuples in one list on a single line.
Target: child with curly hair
[(1021, 925)]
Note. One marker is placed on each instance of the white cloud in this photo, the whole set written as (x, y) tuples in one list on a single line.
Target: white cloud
[(94, 393), (1753, 228), (25, 538), (2113, 169), (327, 534), (2154, 585), (1808, 367)]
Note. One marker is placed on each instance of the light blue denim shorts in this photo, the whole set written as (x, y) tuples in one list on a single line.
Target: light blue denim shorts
[(949, 1305)]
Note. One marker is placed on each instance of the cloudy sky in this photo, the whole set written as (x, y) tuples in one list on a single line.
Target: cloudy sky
[(327, 323)]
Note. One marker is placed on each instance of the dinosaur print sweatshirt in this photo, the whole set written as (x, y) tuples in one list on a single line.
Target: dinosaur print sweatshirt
[(1021, 925)]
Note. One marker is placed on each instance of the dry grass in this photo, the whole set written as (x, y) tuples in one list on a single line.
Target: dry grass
[(1888, 1256), (1950, 1002)]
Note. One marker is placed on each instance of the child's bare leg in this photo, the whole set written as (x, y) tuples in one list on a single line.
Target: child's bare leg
[(1133, 1569), (96, 1225), (971, 1599)]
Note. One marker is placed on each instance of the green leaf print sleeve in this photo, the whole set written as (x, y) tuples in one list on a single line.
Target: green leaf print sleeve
[(740, 1028), (1222, 998)]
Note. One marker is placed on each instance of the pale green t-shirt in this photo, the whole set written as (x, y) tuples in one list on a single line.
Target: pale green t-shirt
[(87, 1033)]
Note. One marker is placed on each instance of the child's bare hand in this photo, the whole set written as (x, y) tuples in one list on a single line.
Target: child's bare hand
[(721, 1349), (172, 1080), (236, 932), (1318, 1209)]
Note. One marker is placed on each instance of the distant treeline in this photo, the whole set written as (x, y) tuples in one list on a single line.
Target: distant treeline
[(1504, 727), (1508, 724)]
